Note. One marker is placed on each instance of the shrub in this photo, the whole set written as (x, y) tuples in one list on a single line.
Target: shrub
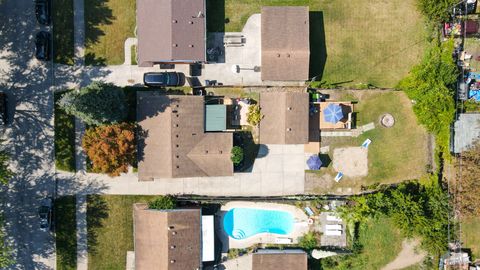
[(163, 202), (254, 116), (111, 149), (96, 104), (436, 11), (237, 155), (308, 241)]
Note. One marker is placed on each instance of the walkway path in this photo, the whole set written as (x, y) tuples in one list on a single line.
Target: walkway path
[(81, 218), (408, 256)]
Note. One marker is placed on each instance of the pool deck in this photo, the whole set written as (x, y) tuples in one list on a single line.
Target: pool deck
[(300, 227)]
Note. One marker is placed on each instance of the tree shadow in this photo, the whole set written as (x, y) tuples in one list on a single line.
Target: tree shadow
[(97, 13), (215, 10), (318, 46), (97, 212)]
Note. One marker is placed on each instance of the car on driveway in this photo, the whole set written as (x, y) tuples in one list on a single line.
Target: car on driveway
[(3, 109), (42, 45), (45, 214), (42, 11), (162, 79)]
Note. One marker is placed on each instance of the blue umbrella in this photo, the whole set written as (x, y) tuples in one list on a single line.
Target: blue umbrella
[(314, 162), (333, 113)]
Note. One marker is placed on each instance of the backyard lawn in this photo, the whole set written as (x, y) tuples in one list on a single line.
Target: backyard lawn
[(471, 236), (110, 229), (380, 241), (395, 154), (108, 24), (62, 20), (352, 42), (64, 138), (65, 233)]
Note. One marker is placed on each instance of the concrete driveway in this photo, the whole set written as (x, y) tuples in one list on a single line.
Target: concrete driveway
[(29, 135)]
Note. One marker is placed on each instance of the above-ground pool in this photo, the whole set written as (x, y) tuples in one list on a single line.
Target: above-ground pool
[(241, 223)]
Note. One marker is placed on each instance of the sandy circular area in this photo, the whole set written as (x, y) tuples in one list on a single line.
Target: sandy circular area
[(351, 161)]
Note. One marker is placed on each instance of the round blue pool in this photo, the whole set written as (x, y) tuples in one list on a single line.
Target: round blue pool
[(241, 223)]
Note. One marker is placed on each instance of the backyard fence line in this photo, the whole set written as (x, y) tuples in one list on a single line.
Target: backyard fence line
[(292, 86)]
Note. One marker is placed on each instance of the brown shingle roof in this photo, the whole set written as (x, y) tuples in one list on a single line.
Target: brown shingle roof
[(285, 43), (167, 239), (172, 141), (169, 30), (280, 260), (285, 118)]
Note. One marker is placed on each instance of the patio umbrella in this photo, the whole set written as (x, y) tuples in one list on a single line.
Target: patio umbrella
[(333, 113), (314, 162)]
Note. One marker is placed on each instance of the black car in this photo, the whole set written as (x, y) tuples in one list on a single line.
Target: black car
[(3, 109), (42, 46), (161, 79), (45, 214), (42, 11)]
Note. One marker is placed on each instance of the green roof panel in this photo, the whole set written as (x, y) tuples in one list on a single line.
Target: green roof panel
[(215, 117)]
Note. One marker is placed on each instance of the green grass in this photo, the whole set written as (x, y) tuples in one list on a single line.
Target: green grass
[(352, 42), (395, 154), (471, 236), (64, 138), (108, 24), (62, 19), (110, 229), (381, 242), (65, 233), (133, 51)]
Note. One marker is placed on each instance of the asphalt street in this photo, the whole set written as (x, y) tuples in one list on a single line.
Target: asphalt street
[(29, 135)]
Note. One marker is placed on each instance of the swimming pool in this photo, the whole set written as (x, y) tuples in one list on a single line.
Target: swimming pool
[(241, 223)]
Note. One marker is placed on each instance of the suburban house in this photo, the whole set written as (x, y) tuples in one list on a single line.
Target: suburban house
[(174, 142), (466, 131), (176, 239), (285, 118), (171, 31), (265, 259), (285, 43)]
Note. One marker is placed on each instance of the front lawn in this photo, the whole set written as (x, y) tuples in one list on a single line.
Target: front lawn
[(62, 20), (471, 236), (352, 42), (108, 24), (396, 154), (64, 138), (110, 229), (380, 243), (66, 233)]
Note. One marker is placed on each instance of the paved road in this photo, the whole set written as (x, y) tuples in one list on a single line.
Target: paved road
[(27, 83)]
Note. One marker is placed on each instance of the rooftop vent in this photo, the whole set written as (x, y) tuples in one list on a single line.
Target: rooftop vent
[(289, 129), (175, 45), (172, 247), (174, 21), (172, 261)]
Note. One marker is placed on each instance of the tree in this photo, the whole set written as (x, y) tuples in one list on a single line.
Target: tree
[(436, 11), (112, 149), (237, 155), (467, 195), (163, 202), (308, 241), (96, 104), (5, 172), (253, 115)]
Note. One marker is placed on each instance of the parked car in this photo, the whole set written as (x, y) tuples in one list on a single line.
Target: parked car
[(3, 109), (161, 79), (45, 214), (42, 45), (42, 11)]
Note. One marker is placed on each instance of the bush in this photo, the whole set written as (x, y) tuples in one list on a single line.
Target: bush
[(112, 149), (96, 104), (436, 11), (163, 202), (254, 116), (308, 241), (237, 155)]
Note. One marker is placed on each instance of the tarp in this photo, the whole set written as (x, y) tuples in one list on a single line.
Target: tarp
[(314, 162), (333, 113)]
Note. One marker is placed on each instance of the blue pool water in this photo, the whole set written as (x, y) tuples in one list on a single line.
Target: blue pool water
[(241, 223)]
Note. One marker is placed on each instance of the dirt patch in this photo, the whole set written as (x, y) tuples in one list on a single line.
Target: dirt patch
[(408, 256), (351, 161)]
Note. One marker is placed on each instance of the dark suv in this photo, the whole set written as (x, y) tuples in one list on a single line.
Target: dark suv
[(42, 11), (161, 79), (42, 46)]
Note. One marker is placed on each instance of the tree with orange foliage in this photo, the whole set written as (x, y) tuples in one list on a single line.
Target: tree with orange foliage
[(111, 148)]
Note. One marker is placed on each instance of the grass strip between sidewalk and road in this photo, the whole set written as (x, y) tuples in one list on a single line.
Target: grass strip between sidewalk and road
[(64, 138), (66, 232), (62, 20)]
